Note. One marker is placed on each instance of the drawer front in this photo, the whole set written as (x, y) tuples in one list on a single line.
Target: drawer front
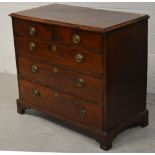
[(62, 104), (76, 84), (32, 29), (86, 39), (82, 60)]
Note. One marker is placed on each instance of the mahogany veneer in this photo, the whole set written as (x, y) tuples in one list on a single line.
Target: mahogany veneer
[(84, 67)]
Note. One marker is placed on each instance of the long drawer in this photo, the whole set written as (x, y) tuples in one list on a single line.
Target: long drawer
[(89, 62), (76, 84), (62, 104)]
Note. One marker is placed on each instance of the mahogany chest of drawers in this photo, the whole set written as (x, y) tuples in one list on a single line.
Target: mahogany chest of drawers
[(84, 67)]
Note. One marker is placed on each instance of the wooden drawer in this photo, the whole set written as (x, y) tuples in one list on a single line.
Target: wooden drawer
[(32, 29), (62, 104), (76, 84), (78, 37), (86, 61)]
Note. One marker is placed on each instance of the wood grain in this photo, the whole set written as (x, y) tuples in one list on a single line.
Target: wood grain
[(127, 72), (64, 55), (79, 17), (43, 31), (63, 80), (87, 39), (65, 105)]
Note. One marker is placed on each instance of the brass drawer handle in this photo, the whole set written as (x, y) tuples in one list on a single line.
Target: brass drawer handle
[(80, 82), (55, 69), (32, 46), (36, 92), (79, 58), (53, 48), (32, 31), (82, 113), (76, 39), (34, 68)]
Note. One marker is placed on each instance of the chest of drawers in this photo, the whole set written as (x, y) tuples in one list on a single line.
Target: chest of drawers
[(84, 67)]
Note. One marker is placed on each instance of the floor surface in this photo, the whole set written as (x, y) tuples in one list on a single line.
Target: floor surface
[(36, 132)]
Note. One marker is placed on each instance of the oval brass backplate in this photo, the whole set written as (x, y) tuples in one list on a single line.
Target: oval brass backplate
[(32, 31), (32, 46), (34, 68), (76, 39), (80, 82), (79, 58)]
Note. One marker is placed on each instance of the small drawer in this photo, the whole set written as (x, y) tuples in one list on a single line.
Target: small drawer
[(81, 38), (80, 85), (85, 61), (62, 104), (32, 29)]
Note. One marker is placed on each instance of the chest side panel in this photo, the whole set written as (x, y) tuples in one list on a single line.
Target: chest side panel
[(126, 65)]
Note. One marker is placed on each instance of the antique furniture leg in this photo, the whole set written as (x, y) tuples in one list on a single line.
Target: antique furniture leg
[(20, 108)]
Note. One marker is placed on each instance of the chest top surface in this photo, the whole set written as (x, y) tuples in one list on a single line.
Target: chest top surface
[(82, 17)]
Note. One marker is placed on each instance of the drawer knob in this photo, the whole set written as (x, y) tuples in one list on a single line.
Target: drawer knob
[(32, 31), (34, 68), (76, 39), (32, 46), (36, 92), (79, 58), (53, 48), (82, 113), (55, 69), (80, 82)]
